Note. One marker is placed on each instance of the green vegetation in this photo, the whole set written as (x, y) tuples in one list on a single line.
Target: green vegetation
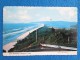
[(45, 35)]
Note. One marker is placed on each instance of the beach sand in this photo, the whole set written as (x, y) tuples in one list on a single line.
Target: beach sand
[(7, 47)]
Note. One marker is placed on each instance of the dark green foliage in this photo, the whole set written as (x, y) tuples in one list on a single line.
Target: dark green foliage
[(12, 49)]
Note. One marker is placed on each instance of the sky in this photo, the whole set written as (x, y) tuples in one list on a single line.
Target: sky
[(21, 14)]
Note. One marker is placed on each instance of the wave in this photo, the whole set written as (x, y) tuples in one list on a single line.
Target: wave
[(16, 32), (11, 36), (11, 30)]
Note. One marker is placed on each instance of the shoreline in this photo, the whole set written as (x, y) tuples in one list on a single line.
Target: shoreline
[(10, 45)]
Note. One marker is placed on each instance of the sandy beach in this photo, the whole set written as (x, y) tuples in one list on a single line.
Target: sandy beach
[(7, 47), (10, 45)]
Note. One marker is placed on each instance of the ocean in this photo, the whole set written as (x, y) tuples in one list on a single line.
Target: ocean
[(12, 31), (59, 24)]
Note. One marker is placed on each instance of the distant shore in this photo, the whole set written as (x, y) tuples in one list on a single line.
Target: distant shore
[(10, 45)]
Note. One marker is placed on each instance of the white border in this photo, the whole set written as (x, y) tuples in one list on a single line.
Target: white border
[(40, 53)]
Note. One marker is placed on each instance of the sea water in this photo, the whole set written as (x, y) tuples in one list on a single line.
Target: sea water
[(12, 31)]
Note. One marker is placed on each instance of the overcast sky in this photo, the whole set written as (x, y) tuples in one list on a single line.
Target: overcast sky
[(33, 14)]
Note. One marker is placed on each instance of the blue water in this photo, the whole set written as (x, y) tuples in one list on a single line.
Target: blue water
[(12, 31), (59, 24)]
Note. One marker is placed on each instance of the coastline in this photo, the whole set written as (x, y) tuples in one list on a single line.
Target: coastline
[(10, 45)]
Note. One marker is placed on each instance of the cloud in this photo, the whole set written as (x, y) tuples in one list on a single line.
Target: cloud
[(67, 11), (37, 15), (20, 15), (45, 18)]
